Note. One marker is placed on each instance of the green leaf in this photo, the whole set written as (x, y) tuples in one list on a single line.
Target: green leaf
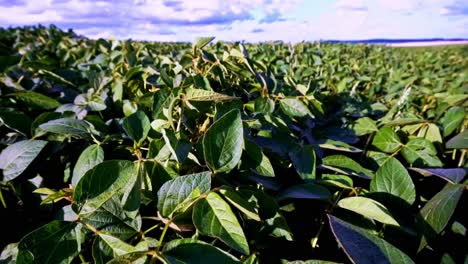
[(261, 164), (114, 220), (241, 203), (303, 161), (368, 208), (90, 157), (37, 100), (393, 178), (305, 191), (431, 132), (437, 212), (347, 166), (193, 94), (177, 193), (202, 42), (338, 145), (421, 152), (223, 143), (137, 126), (102, 182), (107, 247), (294, 107), (264, 105), (452, 119), (386, 140), (362, 247), (364, 126), (459, 141), (197, 252), (213, 217), (52, 243), (68, 126), (16, 158)]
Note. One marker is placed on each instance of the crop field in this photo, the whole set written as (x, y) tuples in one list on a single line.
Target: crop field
[(140, 152)]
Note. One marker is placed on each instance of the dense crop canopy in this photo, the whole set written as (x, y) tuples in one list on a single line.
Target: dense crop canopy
[(135, 152)]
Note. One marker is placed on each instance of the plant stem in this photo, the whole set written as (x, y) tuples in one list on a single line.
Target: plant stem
[(151, 228), (2, 199), (161, 238)]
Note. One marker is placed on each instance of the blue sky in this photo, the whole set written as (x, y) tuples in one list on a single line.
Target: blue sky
[(250, 20)]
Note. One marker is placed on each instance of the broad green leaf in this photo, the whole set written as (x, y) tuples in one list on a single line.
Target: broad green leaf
[(241, 203), (363, 247), (193, 94), (68, 126), (421, 152), (37, 100), (114, 220), (368, 208), (90, 157), (223, 143), (106, 247), (176, 193), (16, 158), (347, 166), (137, 126), (393, 178), (213, 217), (52, 243), (364, 126), (102, 182), (264, 105), (454, 175), (452, 119), (386, 140), (195, 252), (304, 161), (305, 191), (459, 141), (437, 212), (294, 107)]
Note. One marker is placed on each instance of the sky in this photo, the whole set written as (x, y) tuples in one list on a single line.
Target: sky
[(247, 20)]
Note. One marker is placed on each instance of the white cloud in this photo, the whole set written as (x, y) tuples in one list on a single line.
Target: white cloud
[(251, 20)]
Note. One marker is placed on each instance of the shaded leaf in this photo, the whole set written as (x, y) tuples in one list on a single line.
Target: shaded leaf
[(137, 126), (52, 243), (305, 191), (362, 247), (101, 183)]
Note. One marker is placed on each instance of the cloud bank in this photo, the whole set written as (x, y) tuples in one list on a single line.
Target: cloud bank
[(250, 20)]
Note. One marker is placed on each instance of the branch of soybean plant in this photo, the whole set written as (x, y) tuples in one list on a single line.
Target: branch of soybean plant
[(314, 240)]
